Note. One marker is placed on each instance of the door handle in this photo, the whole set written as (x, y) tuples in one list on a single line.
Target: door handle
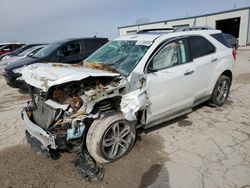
[(214, 59), (188, 72)]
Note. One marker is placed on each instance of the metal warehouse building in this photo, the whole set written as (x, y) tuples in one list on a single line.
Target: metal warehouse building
[(235, 22)]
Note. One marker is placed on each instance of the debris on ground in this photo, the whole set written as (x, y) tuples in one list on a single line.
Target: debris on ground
[(89, 169)]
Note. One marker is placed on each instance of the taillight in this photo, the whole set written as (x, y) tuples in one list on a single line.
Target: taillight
[(234, 54)]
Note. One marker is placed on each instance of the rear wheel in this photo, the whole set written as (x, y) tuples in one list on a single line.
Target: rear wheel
[(221, 91), (110, 138)]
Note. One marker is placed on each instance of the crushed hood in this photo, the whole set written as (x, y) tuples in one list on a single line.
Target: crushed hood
[(44, 76)]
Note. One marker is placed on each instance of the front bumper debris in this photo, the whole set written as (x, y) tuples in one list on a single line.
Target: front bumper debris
[(46, 139), (88, 167)]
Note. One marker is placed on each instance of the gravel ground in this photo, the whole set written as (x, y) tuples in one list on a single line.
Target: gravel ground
[(209, 147)]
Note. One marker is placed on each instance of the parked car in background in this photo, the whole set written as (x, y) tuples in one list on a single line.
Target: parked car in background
[(135, 81), (232, 40), (69, 51), (27, 53), (7, 43), (17, 51), (9, 47)]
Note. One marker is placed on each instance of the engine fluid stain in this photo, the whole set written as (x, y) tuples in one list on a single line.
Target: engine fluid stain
[(151, 175), (22, 167), (184, 123)]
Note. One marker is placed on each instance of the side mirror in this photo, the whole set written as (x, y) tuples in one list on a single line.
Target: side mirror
[(150, 68)]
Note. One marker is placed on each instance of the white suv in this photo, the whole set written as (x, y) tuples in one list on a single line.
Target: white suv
[(134, 81)]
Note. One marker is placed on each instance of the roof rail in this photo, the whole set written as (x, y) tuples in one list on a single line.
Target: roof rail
[(155, 29), (176, 29), (193, 28)]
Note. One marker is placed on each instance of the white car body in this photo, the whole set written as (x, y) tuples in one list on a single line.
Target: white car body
[(160, 95)]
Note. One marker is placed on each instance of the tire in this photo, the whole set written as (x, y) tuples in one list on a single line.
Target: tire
[(104, 143), (221, 91)]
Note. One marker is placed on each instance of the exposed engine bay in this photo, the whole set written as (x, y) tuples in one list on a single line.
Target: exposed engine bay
[(67, 103), (68, 109)]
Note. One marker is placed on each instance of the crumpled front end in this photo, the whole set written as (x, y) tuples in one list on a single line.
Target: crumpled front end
[(60, 113), (65, 112), (45, 138)]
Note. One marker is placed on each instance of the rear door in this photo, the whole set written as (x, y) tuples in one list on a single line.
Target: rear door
[(170, 82), (204, 59)]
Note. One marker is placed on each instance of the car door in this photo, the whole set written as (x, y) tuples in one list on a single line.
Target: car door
[(170, 81), (204, 58)]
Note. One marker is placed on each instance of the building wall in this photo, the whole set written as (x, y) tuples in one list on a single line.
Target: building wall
[(244, 18), (248, 31), (210, 20)]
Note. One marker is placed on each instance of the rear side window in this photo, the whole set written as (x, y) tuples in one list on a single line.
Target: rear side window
[(219, 37), (92, 45), (70, 49), (200, 46)]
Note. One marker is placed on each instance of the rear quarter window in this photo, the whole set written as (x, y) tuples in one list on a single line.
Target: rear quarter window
[(219, 37), (200, 46), (93, 44)]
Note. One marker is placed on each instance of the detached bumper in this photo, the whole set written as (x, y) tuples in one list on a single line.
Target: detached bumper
[(46, 139)]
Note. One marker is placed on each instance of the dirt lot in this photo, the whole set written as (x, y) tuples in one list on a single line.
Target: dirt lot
[(209, 147)]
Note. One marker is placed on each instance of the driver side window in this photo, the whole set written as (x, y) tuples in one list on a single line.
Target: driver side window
[(172, 54)]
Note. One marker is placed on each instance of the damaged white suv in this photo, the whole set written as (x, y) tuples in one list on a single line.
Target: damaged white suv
[(134, 81)]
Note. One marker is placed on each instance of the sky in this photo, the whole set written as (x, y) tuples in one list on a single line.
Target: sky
[(31, 21)]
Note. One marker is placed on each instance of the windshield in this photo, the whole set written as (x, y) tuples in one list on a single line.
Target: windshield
[(31, 51), (120, 55), (26, 52), (46, 51)]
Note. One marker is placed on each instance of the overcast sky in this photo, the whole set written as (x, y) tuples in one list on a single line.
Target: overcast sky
[(48, 20)]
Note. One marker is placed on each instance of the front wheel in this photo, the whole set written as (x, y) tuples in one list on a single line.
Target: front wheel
[(221, 91), (110, 138)]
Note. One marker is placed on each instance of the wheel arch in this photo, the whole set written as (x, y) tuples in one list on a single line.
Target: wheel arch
[(227, 73), (96, 132)]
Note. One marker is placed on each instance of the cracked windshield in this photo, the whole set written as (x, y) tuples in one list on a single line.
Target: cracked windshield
[(120, 56)]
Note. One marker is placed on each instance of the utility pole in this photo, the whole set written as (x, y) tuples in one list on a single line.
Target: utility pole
[(234, 5), (206, 14)]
